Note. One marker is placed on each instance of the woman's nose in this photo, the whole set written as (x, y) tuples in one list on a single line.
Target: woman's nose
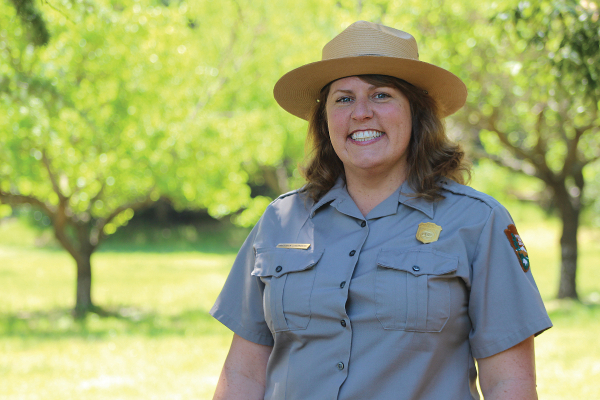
[(362, 110)]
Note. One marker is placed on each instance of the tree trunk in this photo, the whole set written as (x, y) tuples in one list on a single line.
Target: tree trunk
[(569, 210), (83, 302)]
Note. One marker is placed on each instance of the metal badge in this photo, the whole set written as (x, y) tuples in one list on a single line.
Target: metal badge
[(299, 246), (428, 232)]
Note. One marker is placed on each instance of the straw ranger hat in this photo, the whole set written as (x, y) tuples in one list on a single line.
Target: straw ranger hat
[(368, 48)]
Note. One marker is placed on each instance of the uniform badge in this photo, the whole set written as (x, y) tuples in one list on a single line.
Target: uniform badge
[(428, 232), (518, 246)]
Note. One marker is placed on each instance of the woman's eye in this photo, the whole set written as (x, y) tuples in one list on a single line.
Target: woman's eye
[(344, 99), (382, 96)]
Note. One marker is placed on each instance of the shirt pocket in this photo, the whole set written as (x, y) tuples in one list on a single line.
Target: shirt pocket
[(412, 289), (288, 275)]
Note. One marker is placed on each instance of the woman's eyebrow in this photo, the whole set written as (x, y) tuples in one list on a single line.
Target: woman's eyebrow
[(343, 91)]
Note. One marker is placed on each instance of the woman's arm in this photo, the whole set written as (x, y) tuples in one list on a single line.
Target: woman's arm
[(244, 373), (509, 374)]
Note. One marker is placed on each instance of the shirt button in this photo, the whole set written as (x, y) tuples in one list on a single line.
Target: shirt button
[(340, 366), (363, 224), (342, 284), (278, 269), (352, 253), (343, 322), (416, 268)]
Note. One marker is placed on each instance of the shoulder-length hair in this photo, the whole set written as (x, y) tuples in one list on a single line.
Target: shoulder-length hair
[(431, 154)]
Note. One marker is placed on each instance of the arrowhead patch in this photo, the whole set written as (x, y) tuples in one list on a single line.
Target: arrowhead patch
[(518, 246)]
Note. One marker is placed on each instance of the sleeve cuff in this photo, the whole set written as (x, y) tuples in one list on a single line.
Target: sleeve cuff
[(534, 328), (231, 323)]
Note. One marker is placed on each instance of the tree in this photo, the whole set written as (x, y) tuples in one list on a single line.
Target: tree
[(534, 80), (68, 140), (124, 104), (566, 104), (127, 102)]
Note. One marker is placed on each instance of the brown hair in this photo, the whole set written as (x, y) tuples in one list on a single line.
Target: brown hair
[(431, 154)]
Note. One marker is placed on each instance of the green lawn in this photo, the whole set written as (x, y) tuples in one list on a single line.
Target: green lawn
[(163, 344)]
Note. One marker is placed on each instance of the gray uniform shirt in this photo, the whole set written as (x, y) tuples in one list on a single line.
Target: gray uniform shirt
[(370, 312)]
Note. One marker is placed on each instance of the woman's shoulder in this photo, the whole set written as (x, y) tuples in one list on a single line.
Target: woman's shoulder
[(468, 194), (291, 206), (283, 219), (295, 198)]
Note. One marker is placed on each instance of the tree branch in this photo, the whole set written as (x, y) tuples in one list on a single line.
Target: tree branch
[(571, 158), (492, 126), (591, 160), (61, 197), (97, 233), (510, 163), (57, 215), (97, 196), (540, 145), (18, 199), (31, 17)]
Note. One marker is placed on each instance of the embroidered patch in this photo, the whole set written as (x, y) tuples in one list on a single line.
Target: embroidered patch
[(518, 246)]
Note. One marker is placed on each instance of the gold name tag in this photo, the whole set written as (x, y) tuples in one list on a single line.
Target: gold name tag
[(428, 232), (299, 246)]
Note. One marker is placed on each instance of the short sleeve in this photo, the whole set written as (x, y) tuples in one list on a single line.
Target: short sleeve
[(239, 306), (505, 305)]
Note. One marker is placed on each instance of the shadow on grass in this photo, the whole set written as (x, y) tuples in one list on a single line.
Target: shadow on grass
[(216, 238), (59, 324)]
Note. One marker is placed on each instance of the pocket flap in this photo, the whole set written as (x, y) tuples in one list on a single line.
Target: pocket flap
[(276, 262), (418, 262)]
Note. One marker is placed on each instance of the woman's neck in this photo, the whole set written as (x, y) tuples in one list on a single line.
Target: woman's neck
[(368, 191)]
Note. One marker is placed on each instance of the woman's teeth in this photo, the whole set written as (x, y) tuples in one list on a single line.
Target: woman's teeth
[(364, 136)]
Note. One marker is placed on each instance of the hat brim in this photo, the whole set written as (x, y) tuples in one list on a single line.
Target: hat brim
[(298, 90)]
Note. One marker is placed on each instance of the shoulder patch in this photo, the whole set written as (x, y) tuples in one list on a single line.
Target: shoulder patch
[(518, 246)]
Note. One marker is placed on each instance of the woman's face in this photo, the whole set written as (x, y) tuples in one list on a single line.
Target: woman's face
[(369, 127)]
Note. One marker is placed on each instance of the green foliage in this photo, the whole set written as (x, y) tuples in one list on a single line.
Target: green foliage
[(141, 100), (130, 101), (31, 18)]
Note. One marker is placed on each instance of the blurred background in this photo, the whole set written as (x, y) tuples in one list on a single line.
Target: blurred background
[(139, 143)]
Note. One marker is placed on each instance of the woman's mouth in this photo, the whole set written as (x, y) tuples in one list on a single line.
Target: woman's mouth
[(365, 136)]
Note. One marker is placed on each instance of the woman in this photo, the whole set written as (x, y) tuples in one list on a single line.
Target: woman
[(383, 277)]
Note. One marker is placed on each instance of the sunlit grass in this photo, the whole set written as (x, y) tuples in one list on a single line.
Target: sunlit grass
[(162, 344)]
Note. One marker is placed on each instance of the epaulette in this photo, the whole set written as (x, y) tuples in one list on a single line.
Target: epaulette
[(468, 191), (288, 194)]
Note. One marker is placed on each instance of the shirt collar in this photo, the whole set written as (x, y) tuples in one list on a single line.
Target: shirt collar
[(407, 197), (338, 194)]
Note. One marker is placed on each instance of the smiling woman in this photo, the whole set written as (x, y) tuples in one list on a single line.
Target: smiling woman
[(384, 276), (369, 128), (430, 154)]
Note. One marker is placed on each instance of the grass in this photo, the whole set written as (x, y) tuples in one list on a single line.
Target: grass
[(161, 343)]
